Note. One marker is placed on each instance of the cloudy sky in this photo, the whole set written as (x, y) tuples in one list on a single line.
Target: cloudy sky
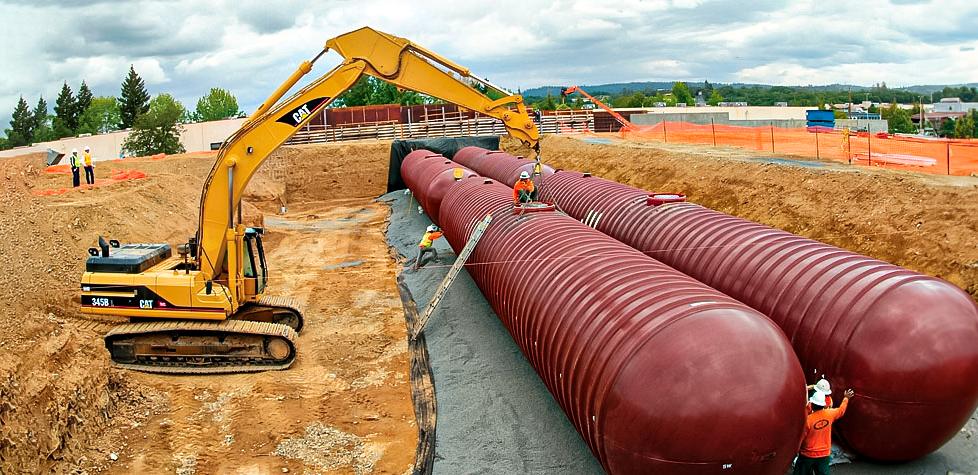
[(249, 47)]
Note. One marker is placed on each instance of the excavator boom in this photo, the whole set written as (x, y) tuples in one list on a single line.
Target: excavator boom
[(205, 311), (366, 51)]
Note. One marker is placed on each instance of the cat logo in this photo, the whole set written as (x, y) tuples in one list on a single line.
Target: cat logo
[(298, 115)]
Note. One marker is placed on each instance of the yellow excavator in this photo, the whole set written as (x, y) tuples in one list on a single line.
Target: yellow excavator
[(205, 310)]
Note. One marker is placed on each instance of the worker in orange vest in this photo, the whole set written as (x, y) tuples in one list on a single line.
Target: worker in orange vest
[(425, 246), (89, 166), (524, 191), (816, 444)]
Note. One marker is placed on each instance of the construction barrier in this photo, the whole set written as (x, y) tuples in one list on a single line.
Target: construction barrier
[(115, 177), (940, 156)]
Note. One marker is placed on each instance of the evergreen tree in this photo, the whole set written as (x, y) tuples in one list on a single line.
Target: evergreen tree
[(42, 130), (66, 108), (21, 125), (84, 98), (547, 104), (216, 105), (158, 130), (134, 100)]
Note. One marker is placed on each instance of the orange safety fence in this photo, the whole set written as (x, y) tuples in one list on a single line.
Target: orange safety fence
[(941, 156), (115, 177)]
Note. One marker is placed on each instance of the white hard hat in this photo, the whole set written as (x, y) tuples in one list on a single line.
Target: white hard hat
[(432, 228), (87, 149), (823, 387), (818, 398), (74, 150), (524, 175)]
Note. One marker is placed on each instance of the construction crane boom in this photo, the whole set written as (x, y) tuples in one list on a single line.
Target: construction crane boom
[(624, 122)]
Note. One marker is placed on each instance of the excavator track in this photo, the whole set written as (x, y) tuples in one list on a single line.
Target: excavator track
[(202, 347), (273, 309)]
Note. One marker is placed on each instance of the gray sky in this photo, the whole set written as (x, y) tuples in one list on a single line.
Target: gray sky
[(249, 47)]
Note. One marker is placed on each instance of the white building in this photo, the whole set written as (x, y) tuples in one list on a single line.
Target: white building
[(954, 104)]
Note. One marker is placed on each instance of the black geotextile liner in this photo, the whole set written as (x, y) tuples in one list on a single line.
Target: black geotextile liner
[(446, 146)]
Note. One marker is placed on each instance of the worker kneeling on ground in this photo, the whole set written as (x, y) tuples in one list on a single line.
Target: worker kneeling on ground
[(524, 191), (816, 444), (425, 246)]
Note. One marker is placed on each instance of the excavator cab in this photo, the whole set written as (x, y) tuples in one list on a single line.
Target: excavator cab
[(255, 272)]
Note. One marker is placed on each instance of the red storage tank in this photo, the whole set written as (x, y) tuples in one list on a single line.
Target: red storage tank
[(657, 372), (499, 165), (907, 343), (439, 174)]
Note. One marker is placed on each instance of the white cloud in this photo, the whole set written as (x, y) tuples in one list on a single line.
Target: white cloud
[(184, 47)]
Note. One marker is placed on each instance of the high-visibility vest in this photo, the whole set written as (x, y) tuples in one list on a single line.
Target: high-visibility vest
[(522, 185), (88, 159), (75, 160), (428, 238)]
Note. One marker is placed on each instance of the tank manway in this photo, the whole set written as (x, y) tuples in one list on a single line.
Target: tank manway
[(657, 372)]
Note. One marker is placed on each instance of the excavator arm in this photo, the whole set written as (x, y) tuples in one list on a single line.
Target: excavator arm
[(365, 51)]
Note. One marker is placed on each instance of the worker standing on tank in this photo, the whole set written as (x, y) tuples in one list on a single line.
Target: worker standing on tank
[(89, 166), (425, 246), (524, 191), (816, 443), (76, 163)]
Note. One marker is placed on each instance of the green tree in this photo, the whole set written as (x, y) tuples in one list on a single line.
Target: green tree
[(216, 105), (636, 100), (84, 98), (947, 128), (158, 130), (66, 108), (100, 117), (359, 94), (21, 125), (384, 93), (547, 104), (413, 98), (898, 119), (134, 100), (715, 98), (681, 92), (964, 128), (42, 131)]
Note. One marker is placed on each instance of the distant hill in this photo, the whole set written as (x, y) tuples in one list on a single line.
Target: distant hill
[(616, 88)]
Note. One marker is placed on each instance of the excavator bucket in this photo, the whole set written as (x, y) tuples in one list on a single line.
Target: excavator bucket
[(54, 157)]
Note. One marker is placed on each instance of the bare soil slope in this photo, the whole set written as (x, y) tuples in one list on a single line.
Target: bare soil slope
[(345, 407)]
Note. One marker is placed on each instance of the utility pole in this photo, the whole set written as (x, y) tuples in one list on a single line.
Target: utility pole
[(850, 102)]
